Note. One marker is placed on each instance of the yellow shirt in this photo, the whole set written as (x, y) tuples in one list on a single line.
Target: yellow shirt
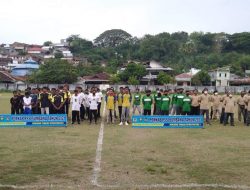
[(126, 100), (110, 102)]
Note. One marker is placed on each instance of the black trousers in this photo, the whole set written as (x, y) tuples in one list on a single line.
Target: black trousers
[(120, 113), (14, 110), (75, 116), (165, 112), (99, 109), (60, 111), (35, 110), (21, 110), (67, 108), (82, 112), (147, 112), (186, 113), (222, 116), (87, 112), (195, 110), (227, 115), (91, 114), (178, 110)]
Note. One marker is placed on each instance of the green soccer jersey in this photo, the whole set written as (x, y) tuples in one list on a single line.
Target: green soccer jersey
[(179, 99), (186, 106), (147, 102), (165, 102), (174, 99), (137, 99), (158, 102)]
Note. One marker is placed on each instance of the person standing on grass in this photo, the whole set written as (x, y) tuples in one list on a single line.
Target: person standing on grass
[(27, 103), (204, 100), (165, 103), (119, 102), (173, 101), (157, 102), (110, 105), (137, 102), (35, 103), (222, 115), (155, 96), (126, 103), (51, 107), (86, 102), (186, 104), (82, 108), (57, 103), (241, 107), (93, 100), (100, 96), (14, 102), (20, 101), (179, 101), (67, 98), (76, 105), (147, 102), (44, 99), (216, 105), (230, 104), (195, 105)]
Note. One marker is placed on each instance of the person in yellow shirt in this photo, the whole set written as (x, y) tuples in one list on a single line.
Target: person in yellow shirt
[(110, 105), (119, 102), (126, 103), (67, 98)]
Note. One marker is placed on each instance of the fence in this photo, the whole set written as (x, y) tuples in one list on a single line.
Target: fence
[(234, 89)]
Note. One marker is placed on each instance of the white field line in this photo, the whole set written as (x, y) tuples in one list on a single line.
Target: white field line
[(98, 158), (51, 186)]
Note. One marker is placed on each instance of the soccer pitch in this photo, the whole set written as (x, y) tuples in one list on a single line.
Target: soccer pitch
[(112, 157)]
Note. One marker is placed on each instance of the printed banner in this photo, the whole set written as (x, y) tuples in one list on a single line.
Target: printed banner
[(141, 121), (36, 120)]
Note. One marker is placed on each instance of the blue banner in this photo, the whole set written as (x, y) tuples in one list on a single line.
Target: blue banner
[(36, 120), (179, 121)]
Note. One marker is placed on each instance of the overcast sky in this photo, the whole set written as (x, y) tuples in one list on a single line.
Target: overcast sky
[(35, 21)]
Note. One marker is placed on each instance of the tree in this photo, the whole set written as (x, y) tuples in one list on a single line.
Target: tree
[(115, 79), (112, 38), (58, 55), (164, 78), (133, 81), (54, 71), (47, 43), (79, 45), (201, 78), (133, 70)]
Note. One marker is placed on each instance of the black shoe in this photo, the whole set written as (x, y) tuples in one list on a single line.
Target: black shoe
[(79, 123), (72, 123)]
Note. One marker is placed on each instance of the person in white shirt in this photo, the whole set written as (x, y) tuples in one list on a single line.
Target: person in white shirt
[(93, 106), (82, 108), (76, 105), (27, 103), (86, 102), (100, 96)]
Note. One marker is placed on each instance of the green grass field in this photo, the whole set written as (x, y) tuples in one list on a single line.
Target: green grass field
[(130, 157)]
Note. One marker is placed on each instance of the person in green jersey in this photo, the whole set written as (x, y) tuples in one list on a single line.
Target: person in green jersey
[(165, 103), (155, 96), (147, 102), (173, 102), (137, 102), (179, 101), (157, 103), (186, 105)]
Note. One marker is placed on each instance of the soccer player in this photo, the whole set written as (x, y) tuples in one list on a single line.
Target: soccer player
[(137, 102), (86, 102), (76, 104), (126, 103), (165, 103), (93, 100), (195, 105), (67, 98), (186, 104), (57, 103), (147, 102), (230, 104), (155, 96), (51, 107), (35, 103), (14, 102), (173, 102), (100, 96), (179, 101), (204, 100), (27, 103), (157, 102), (119, 102), (216, 104), (44, 99), (20, 101), (110, 105), (241, 107)]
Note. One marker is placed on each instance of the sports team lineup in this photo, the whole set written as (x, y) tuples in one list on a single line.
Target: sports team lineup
[(85, 104)]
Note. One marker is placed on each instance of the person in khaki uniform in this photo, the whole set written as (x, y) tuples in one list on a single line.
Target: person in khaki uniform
[(241, 107), (216, 98), (195, 104), (247, 101), (204, 100), (222, 115), (230, 104)]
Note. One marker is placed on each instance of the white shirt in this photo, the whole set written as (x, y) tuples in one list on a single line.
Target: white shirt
[(86, 100), (93, 102), (27, 102), (76, 102), (99, 95), (82, 96)]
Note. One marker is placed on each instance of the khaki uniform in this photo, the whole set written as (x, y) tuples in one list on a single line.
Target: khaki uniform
[(247, 101), (195, 105), (216, 100), (204, 105), (241, 108), (229, 104)]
